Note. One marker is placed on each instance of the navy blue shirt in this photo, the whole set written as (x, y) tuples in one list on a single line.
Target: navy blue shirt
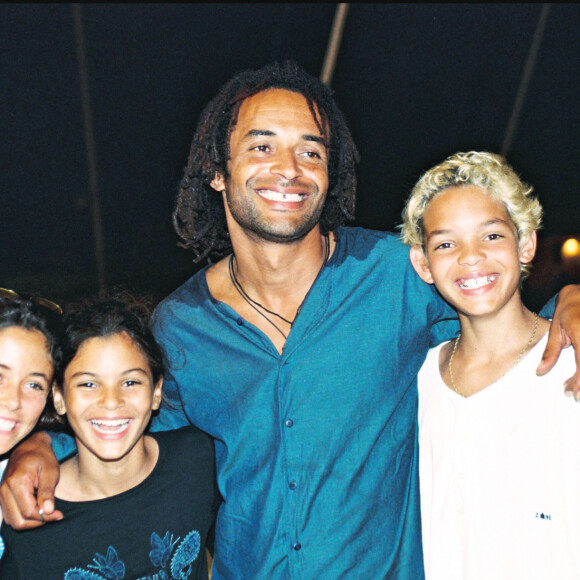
[(316, 447)]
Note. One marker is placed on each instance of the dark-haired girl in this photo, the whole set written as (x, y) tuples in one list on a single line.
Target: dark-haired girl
[(134, 505)]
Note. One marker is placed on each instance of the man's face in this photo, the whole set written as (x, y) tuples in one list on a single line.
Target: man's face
[(278, 169)]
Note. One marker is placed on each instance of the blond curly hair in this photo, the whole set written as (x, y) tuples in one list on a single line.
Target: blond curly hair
[(490, 172)]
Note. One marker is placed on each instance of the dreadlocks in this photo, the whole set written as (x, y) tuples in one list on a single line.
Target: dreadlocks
[(199, 217)]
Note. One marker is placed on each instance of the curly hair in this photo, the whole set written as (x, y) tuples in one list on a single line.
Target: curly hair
[(199, 217), (105, 317), (488, 171)]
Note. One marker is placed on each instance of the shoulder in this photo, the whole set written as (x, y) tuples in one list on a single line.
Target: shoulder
[(359, 249), (173, 317), (382, 261), (431, 364), (189, 440), (187, 296), (357, 239), (186, 455)]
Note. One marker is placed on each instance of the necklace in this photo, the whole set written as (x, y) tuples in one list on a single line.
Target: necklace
[(257, 306), (520, 355)]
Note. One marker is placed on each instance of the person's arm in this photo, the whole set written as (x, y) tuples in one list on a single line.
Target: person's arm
[(28, 484), (564, 331)]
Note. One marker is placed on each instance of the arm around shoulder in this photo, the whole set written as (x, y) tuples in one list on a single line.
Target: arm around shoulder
[(564, 331), (29, 482)]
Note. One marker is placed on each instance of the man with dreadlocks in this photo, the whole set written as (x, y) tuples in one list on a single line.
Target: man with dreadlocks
[(298, 349)]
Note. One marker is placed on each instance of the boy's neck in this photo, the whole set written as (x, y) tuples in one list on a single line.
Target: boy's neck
[(498, 333), (489, 347)]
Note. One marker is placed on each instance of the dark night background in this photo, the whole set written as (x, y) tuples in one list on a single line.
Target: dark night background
[(416, 82)]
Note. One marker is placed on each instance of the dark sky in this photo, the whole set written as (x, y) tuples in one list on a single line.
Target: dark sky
[(416, 83)]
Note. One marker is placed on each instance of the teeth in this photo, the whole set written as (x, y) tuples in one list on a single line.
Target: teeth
[(7, 425), (109, 424), (277, 196), (471, 283)]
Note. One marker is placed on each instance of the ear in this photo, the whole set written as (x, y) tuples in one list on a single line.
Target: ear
[(218, 182), (157, 391), (420, 264), (58, 400), (528, 248)]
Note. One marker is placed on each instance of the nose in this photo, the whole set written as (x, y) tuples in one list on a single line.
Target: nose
[(111, 398), (286, 165), (471, 254), (10, 396)]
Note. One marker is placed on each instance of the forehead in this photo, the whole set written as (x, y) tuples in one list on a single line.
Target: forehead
[(31, 343), (470, 198), (18, 334), (276, 108), (115, 343)]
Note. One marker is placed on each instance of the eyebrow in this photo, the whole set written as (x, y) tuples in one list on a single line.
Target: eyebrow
[(436, 233), (484, 225), (267, 133), (32, 374), (136, 369), (128, 371), (80, 373)]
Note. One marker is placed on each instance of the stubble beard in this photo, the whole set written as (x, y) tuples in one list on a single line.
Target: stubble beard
[(257, 227)]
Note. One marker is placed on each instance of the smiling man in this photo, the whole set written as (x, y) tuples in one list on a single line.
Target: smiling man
[(298, 349)]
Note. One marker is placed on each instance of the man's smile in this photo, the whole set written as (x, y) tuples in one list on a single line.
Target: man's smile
[(280, 196)]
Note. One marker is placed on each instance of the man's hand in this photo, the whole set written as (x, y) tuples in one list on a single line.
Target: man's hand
[(564, 331), (29, 483)]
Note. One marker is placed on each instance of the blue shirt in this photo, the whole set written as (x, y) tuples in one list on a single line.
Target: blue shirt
[(316, 448)]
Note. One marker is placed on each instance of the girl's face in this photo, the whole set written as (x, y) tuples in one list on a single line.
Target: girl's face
[(108, 396), (25, 378)]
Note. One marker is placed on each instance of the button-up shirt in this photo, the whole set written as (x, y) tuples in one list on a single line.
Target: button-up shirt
[(316, 447)]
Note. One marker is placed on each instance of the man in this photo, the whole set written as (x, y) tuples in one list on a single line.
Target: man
[(298, 351)]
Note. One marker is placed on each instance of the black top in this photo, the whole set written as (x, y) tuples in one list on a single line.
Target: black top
[(157, 529)]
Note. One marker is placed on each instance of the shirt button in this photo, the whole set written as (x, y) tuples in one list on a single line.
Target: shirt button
[(296, 546), (289, 422), (292, 485), (240, 321)]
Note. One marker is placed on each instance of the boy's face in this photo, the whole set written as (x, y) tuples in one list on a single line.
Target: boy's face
[(471, 251)]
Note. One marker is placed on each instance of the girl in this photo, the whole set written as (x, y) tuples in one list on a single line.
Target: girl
[(134, 505), (28, 351)]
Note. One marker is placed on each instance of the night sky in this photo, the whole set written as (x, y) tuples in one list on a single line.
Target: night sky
[(416, 83)]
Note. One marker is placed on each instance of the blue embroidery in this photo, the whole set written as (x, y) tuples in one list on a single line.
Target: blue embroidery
[(110, 566), (161, 576), (185, 555), (161, 549), (78, 574)]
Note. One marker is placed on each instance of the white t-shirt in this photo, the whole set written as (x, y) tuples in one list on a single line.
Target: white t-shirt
[(500, 475)]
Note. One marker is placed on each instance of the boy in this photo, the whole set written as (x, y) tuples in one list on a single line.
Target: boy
[(497, 443)]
